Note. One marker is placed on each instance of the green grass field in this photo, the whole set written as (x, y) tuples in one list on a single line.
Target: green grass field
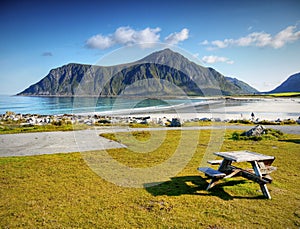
[(61, 191), (15, 128), (286, 94)]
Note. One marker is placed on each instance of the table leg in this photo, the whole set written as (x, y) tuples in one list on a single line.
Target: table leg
[(225, 163), (263, 187), (212, 183)]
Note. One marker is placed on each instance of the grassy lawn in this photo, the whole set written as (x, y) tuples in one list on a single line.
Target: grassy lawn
[(15, 128), (61, 191)]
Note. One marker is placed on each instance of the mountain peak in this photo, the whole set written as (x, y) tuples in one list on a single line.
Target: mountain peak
[(292, 84), (172, 59), (166, 51), (162, 57)]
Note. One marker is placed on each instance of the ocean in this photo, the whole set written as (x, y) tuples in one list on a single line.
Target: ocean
[(69, 105), (239, 108)]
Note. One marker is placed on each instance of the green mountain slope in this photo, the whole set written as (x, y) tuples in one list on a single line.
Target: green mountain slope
[(244, 86), (158, 73)]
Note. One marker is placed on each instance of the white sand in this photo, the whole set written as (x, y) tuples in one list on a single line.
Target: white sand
[(263, 109)]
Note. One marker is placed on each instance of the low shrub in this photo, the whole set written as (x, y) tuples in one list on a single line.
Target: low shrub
[(270, 134), (104, 121), (138, 125), (235, 136), (267, 122), (242, 121), (289, 122), (57, 123)]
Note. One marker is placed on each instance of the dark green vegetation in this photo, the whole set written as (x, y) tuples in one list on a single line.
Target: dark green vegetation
[(61, 191), (263, 122), (270, 134), (150, 80), (159, 74), (14, 128), (292, 84)]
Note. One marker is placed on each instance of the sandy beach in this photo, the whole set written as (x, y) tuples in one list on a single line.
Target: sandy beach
[(222, 109)]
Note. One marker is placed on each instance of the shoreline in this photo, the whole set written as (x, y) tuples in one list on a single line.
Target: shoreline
[(160, 118), (220, 109)]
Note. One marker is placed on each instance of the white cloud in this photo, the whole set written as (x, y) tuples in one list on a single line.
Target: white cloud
[(147, 37), (285, 36), (100, 42), (259, 39), (221, 44), (215, 59), (175, 38), (128, 36), (205, 42), (124, 36)]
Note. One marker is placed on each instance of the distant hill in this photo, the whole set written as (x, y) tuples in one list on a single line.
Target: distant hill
[(244, 86), (156, 74), (292, 84)]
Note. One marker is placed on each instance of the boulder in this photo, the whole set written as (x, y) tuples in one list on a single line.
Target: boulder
[(175, 122), (256, 131)]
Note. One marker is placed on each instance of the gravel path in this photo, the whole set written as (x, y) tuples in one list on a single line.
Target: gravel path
[(53, 142), (85, 140)]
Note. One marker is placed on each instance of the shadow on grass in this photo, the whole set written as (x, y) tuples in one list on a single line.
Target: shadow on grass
[(296, 141), (195, 185)]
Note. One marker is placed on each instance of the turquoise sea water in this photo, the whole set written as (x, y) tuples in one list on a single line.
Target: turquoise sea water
[(67, 105), (271, 109)]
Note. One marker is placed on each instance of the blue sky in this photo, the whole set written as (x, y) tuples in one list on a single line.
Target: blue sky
[(255, 41)]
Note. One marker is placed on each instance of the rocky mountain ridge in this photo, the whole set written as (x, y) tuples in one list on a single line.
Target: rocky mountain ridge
[(165, 73)]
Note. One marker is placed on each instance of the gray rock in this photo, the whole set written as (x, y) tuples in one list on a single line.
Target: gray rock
[(175, 122), (256, 131)]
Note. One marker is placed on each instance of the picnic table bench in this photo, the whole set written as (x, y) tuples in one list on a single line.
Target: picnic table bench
[(259, 173)]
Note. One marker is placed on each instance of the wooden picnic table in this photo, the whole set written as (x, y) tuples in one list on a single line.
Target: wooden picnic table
[(261, 168)]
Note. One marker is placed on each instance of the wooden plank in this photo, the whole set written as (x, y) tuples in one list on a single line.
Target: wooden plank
[(264, 171), (257, 171), (256, 168), (242, 156), (211, 172), (253, 177), (233, 173), (265, 191), (268, 170), (268, 162), (224, 165), (214, 162), (213, 182)]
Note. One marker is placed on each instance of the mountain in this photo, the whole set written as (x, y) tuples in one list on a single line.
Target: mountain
[(164, 72), (244, 86), (151, 79), (292, 84)]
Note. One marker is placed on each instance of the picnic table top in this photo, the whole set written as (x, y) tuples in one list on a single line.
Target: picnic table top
[(242, 156)]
